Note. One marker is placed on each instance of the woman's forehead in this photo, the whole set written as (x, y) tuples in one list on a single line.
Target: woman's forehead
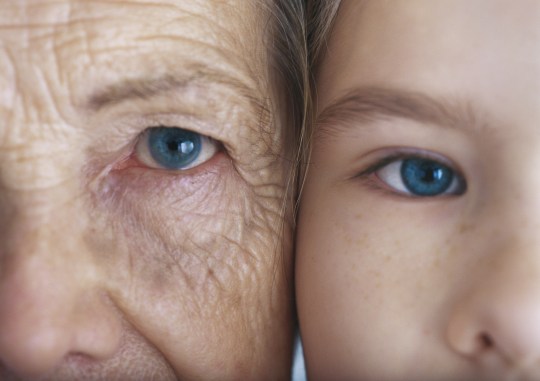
[(82, 47), (106, 23), (20, 12)]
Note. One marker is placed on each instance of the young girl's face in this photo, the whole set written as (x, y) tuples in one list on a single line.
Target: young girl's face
[(419, 232)]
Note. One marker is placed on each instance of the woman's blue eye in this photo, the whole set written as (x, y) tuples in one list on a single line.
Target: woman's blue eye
[(421, 177), (174, 148)]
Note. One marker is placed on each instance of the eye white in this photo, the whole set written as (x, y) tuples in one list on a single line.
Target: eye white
[(390, 174)]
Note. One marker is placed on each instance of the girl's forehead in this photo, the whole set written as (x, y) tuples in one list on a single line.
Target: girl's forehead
[(480, 50)]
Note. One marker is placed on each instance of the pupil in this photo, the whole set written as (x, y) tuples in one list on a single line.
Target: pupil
[(431, 174), (173, 146)]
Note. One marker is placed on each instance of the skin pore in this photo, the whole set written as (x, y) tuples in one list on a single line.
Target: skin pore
[(113, 267), (393, 283)]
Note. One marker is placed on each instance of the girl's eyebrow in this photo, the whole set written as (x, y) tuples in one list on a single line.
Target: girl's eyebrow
[(368, 104)]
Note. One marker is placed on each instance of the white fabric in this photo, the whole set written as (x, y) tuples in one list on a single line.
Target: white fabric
[(298, 368)]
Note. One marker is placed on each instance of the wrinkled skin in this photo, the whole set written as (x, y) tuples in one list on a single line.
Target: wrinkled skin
[(112, 269), (392, 286)]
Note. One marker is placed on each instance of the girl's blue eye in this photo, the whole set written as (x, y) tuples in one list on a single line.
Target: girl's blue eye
[(421, 177), (174, 148)]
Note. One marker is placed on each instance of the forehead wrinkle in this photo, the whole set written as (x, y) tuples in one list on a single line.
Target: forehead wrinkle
[(370, 104), (223, 59), (229, 65)]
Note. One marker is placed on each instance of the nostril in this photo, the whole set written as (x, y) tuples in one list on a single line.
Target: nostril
[(80, 360), (486, 341)]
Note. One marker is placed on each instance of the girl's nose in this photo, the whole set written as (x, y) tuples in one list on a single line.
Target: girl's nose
[(499, 313)]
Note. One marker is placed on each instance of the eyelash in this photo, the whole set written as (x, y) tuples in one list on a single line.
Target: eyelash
[(380, 174)]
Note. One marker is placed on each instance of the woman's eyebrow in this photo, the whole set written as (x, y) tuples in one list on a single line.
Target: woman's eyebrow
[(148, 87), (368, 104)]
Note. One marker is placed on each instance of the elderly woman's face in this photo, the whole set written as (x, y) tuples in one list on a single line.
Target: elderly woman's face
[(140, 193)]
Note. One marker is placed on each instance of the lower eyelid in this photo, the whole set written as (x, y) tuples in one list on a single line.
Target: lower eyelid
[(134, 175), (134, 187), (132, 162)]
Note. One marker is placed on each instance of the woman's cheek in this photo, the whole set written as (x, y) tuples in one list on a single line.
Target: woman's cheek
[(190, 269), (181, 231)]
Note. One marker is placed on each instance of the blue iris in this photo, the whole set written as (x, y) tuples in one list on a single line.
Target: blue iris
[(174, 148), (423, 177)]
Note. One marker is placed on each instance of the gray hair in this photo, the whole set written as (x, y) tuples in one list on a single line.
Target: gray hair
[(320, 17), (289, 65)]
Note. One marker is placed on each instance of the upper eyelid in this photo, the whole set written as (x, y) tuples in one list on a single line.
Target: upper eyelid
[(125, 130), (124, 124), (198, 93), (381, 163), (401, 153), (395, 154)]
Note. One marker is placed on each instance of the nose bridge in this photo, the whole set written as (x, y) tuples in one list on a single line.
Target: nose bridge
[(53, 301), (45, 224), (37, 290), (41, 248)]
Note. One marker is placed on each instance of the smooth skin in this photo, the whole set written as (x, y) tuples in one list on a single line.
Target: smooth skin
[(396, 287), (112, 268)]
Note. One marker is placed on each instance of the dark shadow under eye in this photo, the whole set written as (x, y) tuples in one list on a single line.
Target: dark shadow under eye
[(173, 147), (424, 177)]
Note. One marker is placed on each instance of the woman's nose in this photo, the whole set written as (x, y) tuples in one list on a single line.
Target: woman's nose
[(499, 313), (51, 306)]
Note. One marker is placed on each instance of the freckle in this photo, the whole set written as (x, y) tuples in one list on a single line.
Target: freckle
[(463, 228)]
